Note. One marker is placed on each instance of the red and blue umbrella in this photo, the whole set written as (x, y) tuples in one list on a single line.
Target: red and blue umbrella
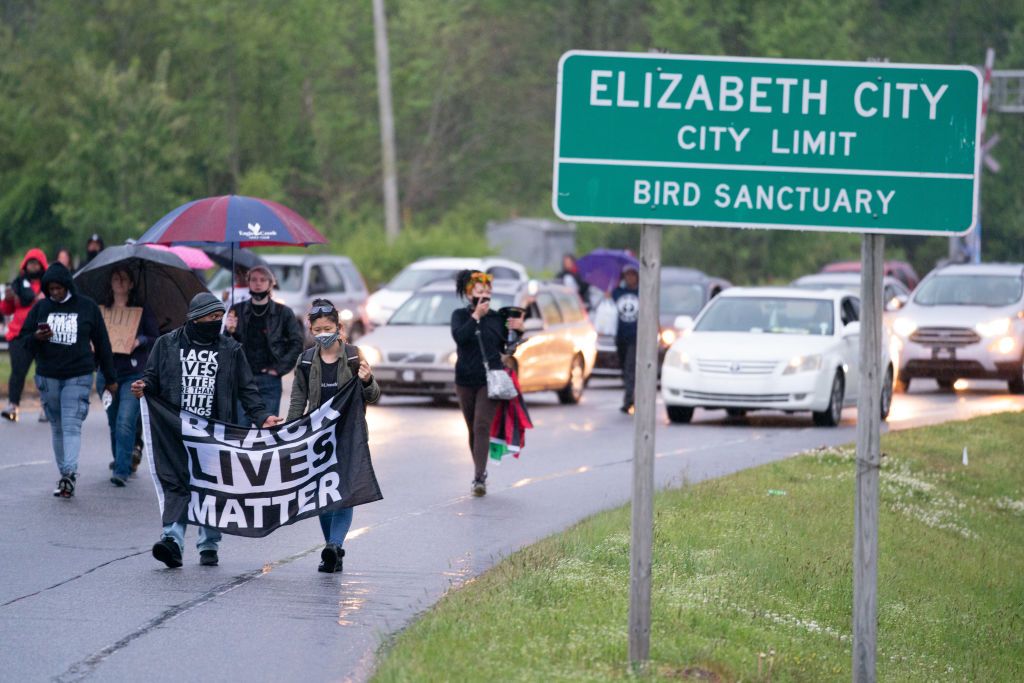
[(234, 220)]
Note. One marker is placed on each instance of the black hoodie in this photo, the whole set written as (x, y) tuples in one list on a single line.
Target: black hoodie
[(76, 323)]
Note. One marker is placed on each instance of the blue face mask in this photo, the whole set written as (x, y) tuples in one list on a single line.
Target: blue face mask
[(326, 340)]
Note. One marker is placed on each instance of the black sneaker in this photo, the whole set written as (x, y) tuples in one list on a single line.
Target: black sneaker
[(65, 486), (118, 481), (10, 413), (168, 552), (479, 488), (208, 558), (136, 457), (330, 559)]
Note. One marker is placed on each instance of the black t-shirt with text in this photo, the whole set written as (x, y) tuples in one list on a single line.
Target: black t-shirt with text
[(328, 381)]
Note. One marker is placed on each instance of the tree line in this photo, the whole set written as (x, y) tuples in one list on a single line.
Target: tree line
[(113, 112)]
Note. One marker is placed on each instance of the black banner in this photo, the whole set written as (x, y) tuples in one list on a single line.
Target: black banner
[(250, 481)]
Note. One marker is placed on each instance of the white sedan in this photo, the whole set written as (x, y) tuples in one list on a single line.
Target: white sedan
[(764, 348)]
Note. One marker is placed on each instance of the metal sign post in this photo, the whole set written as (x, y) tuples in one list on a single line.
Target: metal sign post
[(869, 424), (642, 533)]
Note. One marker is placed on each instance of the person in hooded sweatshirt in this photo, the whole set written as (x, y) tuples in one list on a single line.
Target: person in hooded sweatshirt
[(181, 360), (61, 332), (19, 297), (93, 246)]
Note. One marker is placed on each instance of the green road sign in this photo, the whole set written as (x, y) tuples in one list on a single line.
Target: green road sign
[(770, 143)]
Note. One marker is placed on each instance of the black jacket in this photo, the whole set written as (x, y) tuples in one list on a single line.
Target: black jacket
[(283, 331), (78, 328), (469, 366), (234, 378)]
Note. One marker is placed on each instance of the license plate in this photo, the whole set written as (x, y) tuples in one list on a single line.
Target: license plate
[(943, 354), (408, 376)]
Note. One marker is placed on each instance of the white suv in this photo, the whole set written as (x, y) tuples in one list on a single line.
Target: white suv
[(964, 321)]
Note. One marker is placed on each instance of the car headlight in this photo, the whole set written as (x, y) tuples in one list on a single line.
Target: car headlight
[(904, 326), (453, 357), (370, 354), (677, 358), (803, 364), (346, 315), (993, 328), (668, 336)]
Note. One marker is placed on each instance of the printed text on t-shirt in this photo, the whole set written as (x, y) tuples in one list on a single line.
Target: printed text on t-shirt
[(198, 381)]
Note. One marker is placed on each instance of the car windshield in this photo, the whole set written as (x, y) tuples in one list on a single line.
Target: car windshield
[(681, 298), (768, 315), (220, 280), (435, 308), (289, 276), (853, 287), (413, 278), (969, 290)]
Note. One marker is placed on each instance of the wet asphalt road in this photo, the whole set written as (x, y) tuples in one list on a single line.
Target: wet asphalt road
[(81, 597)]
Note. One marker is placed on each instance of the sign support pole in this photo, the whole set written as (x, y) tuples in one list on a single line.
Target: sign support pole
[(869, 420), (642, 539)]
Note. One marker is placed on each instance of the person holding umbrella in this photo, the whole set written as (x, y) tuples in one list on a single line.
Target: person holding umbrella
[(123, 410), (62, 330), (269, 333), (183, 368)]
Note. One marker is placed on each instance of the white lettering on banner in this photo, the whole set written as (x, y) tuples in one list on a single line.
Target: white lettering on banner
[(64, 327)]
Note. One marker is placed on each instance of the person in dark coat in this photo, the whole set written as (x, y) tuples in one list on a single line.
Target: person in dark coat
[(269, 333), (66, 335), (627, 301), (19, 298), (203, 372)]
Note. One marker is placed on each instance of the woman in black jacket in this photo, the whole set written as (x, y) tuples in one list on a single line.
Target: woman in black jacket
[(477, 327)]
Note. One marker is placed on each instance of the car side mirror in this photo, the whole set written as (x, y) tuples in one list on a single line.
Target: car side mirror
[(682, 322), (852, 329), (533, 325)]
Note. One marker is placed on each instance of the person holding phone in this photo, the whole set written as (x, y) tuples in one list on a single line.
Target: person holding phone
[(480, 336), (61, 331), (321, 371)]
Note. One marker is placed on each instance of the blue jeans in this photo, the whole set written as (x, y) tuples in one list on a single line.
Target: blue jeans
[(270, 391), (209, 538), (123, 420), (66, 403), (335, 525)]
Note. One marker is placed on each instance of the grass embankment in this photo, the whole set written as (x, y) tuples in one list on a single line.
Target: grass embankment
[(739, 572)]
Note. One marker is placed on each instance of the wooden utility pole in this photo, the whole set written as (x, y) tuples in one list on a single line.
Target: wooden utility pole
[(387, 121), (869, 460), (642, 541)]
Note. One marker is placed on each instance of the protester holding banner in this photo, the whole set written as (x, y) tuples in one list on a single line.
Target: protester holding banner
[(197, 369), (269, 333), (61, 331), (480, 336), (19, 297), (322, 370), (133, 329)]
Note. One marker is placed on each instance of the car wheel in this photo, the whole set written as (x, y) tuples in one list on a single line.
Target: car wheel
[(903, 384), (886, 401), (946, 384), (1016, 384), (573, 390), (679, 414), (735, 412), (831, 416)]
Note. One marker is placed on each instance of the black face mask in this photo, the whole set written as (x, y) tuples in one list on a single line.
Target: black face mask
[(90, 255), (259, 297), (38, 275), (204, 333)]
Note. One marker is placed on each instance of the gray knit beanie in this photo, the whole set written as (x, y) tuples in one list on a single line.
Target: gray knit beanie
[(203, 304)]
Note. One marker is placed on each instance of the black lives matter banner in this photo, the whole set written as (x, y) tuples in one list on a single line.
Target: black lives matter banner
[(250, 481)]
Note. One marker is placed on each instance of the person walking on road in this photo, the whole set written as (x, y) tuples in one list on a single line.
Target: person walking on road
[(123, 411), (62, 331), (93, 246), (627, 301), (178, 371), (269, 333), (480, 336), (19, 297), (321, 371), (569, 276)]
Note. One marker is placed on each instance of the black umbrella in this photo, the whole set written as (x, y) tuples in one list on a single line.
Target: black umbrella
[(162, 280), (244, 258)]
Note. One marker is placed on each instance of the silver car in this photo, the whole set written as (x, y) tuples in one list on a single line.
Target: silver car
[(414, 354), (304, 277), (964, 321)]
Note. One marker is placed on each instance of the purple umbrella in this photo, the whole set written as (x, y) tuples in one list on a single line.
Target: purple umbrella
[(602, 268)]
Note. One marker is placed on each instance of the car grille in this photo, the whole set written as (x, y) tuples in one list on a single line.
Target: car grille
[(746, 399), (410, 357), (737, 367), (946, 337)]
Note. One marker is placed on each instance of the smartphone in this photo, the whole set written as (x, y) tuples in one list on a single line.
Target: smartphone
[(352, 359), (44, 326)]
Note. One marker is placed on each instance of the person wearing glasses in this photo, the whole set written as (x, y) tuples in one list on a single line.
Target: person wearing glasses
[(321, 372), (481, 336)]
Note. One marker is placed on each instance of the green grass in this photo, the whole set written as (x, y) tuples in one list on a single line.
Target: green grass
[(738, 572)]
